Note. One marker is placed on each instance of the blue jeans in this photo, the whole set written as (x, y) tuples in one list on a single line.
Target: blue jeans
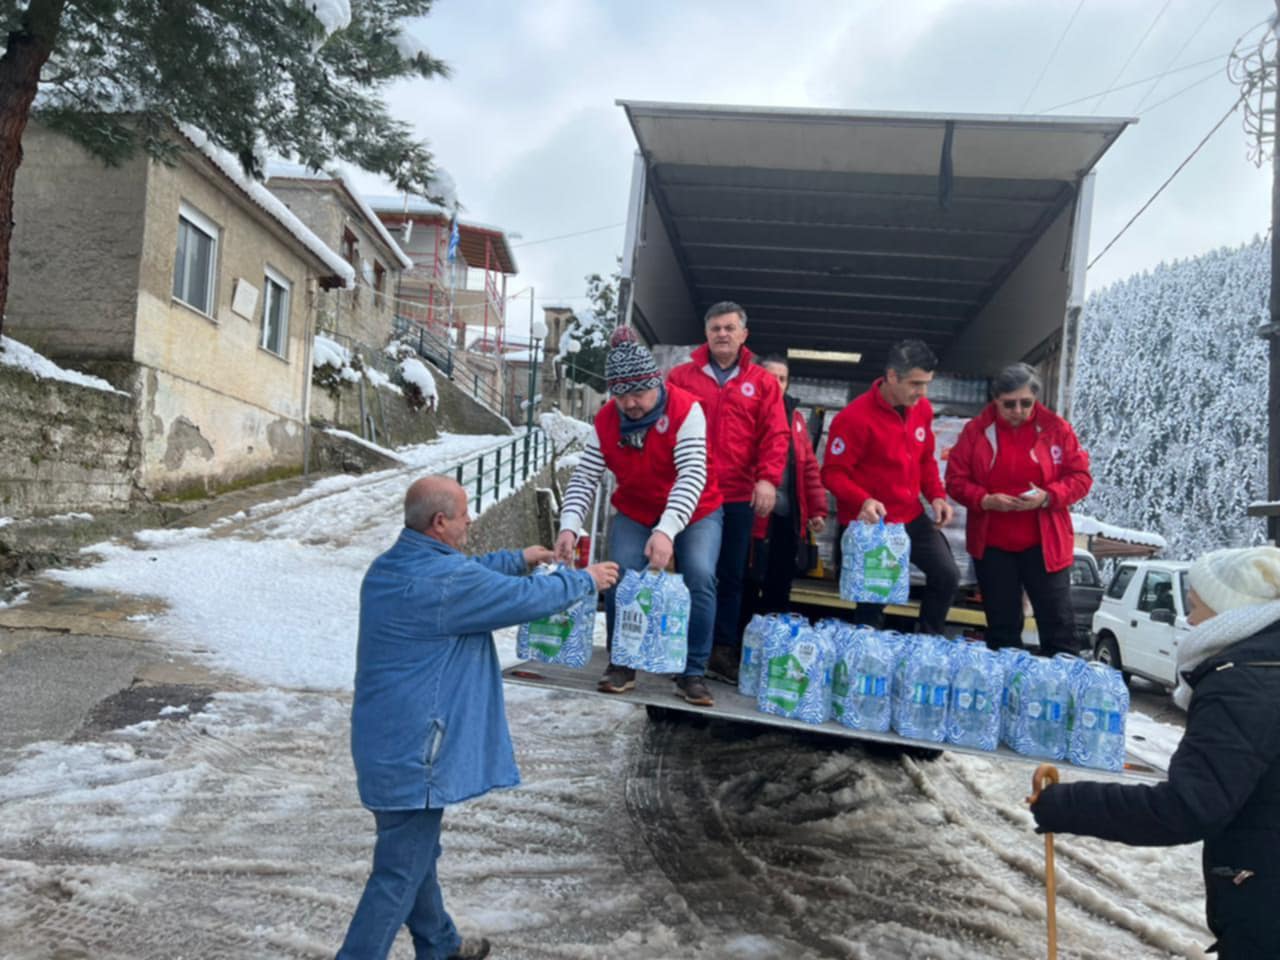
[(731, 569), (697, 546), (403, 890)]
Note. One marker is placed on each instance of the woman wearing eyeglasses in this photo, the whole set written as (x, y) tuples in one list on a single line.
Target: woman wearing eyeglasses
[(1018, 468)]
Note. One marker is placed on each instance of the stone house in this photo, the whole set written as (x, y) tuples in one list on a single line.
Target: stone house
[(187, 285), (335, 212)]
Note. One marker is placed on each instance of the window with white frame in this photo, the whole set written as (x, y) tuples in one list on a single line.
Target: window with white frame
[(196, 261), (275, 312)]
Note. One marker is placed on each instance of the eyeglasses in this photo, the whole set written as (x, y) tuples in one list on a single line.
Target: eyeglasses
[(1020, 403)]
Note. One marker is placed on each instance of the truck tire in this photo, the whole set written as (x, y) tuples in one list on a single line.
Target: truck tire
[(1107, 651)]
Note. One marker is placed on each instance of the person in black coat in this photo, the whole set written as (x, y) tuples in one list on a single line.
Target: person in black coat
[(1224, 779)]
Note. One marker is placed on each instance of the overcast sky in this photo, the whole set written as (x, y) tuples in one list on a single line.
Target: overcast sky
[(528, 128)]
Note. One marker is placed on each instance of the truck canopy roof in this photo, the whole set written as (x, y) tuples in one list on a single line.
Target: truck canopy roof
[(841, 230)]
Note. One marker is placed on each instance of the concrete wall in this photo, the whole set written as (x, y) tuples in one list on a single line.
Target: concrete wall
[(76, 250), (63, 447), (397, 425)]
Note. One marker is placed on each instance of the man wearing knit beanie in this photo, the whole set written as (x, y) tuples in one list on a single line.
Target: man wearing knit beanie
[(654, 439), (1224, 779)]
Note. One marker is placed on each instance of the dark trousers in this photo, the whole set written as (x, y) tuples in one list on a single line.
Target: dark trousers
[(1002, 576), (768, 588), (932, 555), (735, 544)]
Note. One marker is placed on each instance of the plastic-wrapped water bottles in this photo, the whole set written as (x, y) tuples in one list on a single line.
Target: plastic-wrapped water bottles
[(1015, 662), (651, 625), (920, 707), (565, 637), (752, 651), (793, 678), (876, 563), (977, 687), (1102, 702), (1040, 725), (862, 680)]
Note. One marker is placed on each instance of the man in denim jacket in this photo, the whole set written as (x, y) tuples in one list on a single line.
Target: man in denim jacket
[(428, 726)]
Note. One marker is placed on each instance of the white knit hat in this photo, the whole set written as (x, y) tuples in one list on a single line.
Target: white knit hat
[(1240, 577)]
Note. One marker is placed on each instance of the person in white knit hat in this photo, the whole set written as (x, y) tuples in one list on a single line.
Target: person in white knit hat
[(1224, 779)]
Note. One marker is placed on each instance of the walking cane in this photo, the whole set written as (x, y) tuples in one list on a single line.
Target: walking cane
[(1047, 773)]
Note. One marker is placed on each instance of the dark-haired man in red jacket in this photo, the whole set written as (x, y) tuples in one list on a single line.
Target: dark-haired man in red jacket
[(879, 462)]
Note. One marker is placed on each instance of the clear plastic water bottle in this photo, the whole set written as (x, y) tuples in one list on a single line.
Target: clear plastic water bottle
[(862, 682), (1075, 668), (1040, 726), (921, 705), (671, 648), (1014, 662), (977, 685), (752, 651), (1102, 703)]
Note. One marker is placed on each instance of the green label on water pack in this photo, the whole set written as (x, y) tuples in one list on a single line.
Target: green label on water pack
[(880, 571), (785, 682), (549, 634), (840, 679)]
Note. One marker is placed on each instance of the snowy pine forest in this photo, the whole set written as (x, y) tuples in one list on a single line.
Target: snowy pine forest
[(1170, 399)]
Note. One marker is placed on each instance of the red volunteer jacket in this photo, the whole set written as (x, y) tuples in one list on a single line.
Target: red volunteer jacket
[(746, 422), (811, 495), (873, 452), (646, 476), (1064, 474)]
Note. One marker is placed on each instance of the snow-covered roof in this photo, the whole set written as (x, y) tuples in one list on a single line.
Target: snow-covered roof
[(1093, 527), (296, 171), (403, 203), (269, 203)]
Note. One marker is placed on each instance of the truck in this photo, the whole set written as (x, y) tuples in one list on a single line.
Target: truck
[(841, 232)]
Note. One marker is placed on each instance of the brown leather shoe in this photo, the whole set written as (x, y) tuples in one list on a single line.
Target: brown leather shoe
[(617, 680), (694, 690)]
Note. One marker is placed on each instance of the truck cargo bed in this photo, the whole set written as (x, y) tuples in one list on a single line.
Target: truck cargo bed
[(657, 691)]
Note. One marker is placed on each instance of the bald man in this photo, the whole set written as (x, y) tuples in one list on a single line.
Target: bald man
[(428, 725)]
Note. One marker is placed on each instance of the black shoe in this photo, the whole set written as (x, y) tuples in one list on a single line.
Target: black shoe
[(471, 948), (694, 690), (617, 680), (723, 664)]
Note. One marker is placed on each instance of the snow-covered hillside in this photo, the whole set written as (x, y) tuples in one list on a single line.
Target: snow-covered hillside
[(1170, 399)]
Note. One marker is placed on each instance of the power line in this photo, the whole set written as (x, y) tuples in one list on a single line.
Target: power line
[(1134, 52), (1045, 69), (1169, 180), (1134, 83), (1174, 59), (1174, 96), (566, 236)]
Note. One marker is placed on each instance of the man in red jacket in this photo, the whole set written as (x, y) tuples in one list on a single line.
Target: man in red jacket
[(747, 438), (653, 438), (879, 461), (801, 507)]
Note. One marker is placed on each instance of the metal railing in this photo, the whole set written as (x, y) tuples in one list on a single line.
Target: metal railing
[(439, 351), (504, 469)]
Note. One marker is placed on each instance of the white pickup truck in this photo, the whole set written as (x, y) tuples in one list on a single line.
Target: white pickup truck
[(1142, 619)]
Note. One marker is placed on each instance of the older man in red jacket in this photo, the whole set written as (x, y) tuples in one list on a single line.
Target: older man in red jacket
[(747, 437), (879, 462)]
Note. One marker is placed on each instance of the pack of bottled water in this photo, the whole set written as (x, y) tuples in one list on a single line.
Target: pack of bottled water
[(1043, 705), (1015, 662), (565, 637), (923, 692), (1097, 730), (875, 567), (977, 689), (752, 652), (793, 674), (862, 679), (651, 622)]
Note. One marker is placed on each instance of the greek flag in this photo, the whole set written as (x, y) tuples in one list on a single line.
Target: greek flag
[(453, 239)]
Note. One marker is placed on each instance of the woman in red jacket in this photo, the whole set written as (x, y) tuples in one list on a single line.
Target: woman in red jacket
[(1018, 468)]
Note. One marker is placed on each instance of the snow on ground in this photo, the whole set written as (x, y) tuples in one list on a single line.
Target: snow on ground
[(233, 828)]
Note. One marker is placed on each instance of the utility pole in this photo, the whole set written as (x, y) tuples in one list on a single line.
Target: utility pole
[(1273, 340)]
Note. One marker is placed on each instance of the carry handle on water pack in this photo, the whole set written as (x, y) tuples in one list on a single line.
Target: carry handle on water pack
[(1044, 774)]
